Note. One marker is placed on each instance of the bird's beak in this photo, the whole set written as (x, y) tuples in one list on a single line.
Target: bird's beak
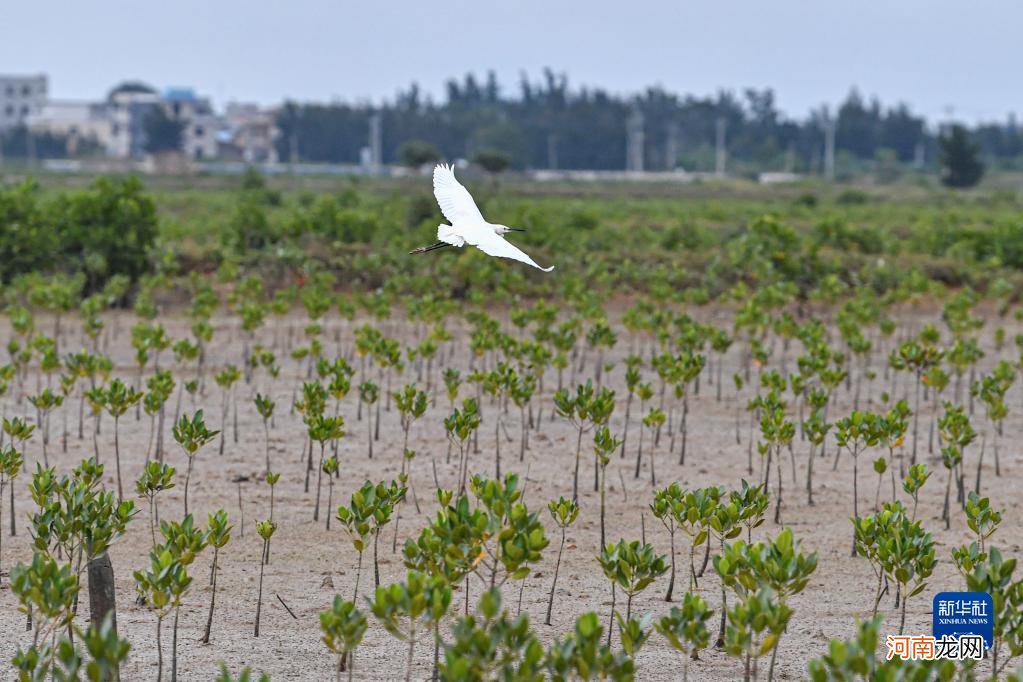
[(516, 229)]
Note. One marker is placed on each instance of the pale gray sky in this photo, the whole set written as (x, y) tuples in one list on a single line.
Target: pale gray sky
[(931, 54)]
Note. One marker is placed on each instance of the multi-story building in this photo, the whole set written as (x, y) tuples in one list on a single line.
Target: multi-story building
[(21, 97), (250, 134), (83, 124)]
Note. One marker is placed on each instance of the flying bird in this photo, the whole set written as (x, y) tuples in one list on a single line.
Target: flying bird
[(467, 223)]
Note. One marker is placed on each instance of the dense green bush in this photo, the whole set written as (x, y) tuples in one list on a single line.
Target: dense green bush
[(104, 230)]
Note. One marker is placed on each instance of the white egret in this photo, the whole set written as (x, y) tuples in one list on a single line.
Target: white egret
[(467, 223)]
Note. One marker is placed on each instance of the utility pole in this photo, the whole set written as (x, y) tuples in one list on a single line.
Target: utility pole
[(376, 152), (671, 147), (719, 147), (634, 141), (829, 147), (552, 151)]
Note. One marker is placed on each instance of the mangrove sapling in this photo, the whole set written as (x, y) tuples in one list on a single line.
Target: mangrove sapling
[(184, 541), (779, 565), (720, 342), (119, 397), (951, 457), (991, 390), (49, 590), (632, 567), (918, 359), (686, 629), (329, 467), (645, 393), (96, 397), (880, 467), (777, 432), (184, 351), (411, 404), (604, 445), (67, 387), (521, 391), (357, 519), (653, 421), (10, 466), (265, 408), (756, 623), (312, 405), (632, 379), (855, 433), (271, 480), (692, 514), (45, 403), (161, 588), (816, 431), (226, 379), (266, 530), (564, 512), (161, 385), (954, 429), (665, 503), (400, 606), (369, 393), (343, 628), (935, 381), (156, 476), (218, 534), (584, 410), (19, 431), (689, 367), (388, 497), (723, 522), (322, 429), (460, 426), (906, 553), (192, 434), (915, 479)]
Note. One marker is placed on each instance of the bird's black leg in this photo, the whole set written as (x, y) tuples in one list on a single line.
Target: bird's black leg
[(432, 247)]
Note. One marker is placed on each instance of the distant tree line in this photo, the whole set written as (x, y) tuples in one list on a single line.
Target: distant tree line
[(547, 124)]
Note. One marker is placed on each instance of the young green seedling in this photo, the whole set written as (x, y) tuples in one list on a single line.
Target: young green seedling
[(266, 530), (10, 466), (119, 397), (322, 429), (604, 445), (156, 476), (343, 628), (329, 467), (192, 434), (218, 534), (564, 512), (686, 629), (265, 408)]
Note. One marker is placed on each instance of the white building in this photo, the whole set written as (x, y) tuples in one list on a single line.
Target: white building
[(250, 133), (21, 97), (79, 122)]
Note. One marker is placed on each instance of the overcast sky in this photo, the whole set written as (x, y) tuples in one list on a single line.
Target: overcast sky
[(932, 54)]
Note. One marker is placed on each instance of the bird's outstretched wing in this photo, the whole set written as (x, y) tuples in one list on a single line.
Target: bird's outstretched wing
[(455, 201), (492, 244)]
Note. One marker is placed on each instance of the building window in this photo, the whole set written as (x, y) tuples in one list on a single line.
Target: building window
[(198, 131), (26, 90), (24, 110), (9, 110)]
